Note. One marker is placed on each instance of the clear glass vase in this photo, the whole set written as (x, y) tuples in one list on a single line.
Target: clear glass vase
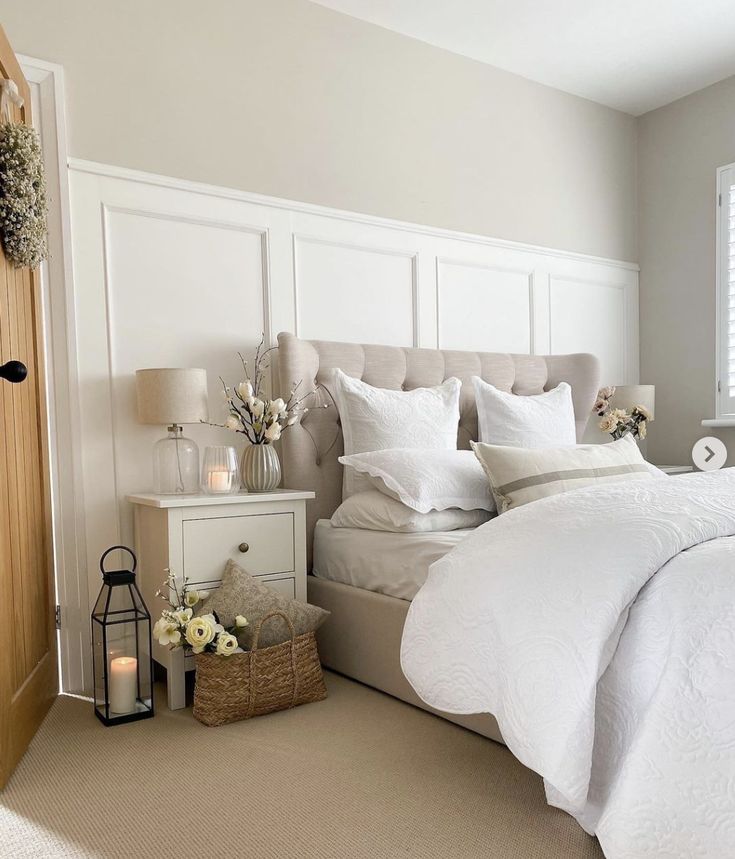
[(175, 464), (260, 467), (220, 471)]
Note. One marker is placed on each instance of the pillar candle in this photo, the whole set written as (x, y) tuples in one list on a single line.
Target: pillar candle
[(123, 684), (219, 481)]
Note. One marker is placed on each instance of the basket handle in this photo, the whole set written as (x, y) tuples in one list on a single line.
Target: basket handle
[(254, 650), (276, 613)]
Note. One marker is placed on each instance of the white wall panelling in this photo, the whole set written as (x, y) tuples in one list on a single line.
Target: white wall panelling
[(338, 286), (591, 314), (173, 273), (479, 304)]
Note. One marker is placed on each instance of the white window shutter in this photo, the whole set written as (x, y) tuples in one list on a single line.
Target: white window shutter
[(726, 290)]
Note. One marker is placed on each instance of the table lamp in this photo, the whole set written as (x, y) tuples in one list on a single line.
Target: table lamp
[(171, 397)]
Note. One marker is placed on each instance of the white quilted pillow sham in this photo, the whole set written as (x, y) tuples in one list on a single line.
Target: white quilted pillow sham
[(539, 420), (424, 479), (374, 511), (380, 418)]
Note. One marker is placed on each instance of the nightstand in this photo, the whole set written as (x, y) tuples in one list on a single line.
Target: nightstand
[(676, 469), (195, 535)]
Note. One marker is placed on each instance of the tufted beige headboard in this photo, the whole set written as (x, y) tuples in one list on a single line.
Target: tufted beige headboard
[(310, 450)]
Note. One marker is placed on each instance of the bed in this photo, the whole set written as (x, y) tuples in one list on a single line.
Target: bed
[(363, 636), (595, 620)]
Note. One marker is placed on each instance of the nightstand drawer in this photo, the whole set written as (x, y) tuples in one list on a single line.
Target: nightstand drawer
[(261, 544), (285, 587)]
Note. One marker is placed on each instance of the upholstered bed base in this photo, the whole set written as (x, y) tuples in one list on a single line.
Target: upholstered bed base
[(362, 639)]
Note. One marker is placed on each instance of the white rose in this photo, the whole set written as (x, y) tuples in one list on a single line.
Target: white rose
[(608, 423), (273, 433), (245, 390), (233, 423), (191, 598), (226, 644), (200, 633), (643, 411), (212, 620), (240, 621)]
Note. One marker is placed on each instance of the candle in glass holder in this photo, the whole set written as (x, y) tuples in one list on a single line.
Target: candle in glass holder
[(219, 481), (123, 684), (220, 473)]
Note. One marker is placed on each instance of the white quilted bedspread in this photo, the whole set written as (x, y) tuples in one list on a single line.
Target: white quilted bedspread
[(599, 628)]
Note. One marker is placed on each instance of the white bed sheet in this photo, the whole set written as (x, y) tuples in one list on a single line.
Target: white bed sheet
[(381, 561)]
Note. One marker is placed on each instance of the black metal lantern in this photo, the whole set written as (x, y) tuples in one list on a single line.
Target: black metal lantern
[(121, 648)]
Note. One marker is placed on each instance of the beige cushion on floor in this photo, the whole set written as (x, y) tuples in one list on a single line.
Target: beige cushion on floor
[(520, 475), (241, 593)]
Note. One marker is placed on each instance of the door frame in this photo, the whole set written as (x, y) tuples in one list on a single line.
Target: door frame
[(46, 81)]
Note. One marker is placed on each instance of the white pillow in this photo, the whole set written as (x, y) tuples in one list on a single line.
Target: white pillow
[(378, 512), (379, 418), (539, 420), (426, 480), (519, 476)]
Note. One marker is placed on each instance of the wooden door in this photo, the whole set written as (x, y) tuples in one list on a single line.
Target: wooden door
[(28, 664)]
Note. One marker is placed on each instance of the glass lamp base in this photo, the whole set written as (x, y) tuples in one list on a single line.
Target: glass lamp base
[(175, 464)]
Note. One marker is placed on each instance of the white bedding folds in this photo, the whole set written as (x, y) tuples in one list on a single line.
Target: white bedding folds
[(381, 561), (598, 627)]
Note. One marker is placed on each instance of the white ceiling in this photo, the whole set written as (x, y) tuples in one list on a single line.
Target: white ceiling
[(634, 55)]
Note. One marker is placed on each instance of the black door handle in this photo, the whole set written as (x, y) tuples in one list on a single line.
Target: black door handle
[(14, 371)]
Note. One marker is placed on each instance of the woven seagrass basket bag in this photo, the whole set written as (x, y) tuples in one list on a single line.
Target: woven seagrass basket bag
[(259, 681)]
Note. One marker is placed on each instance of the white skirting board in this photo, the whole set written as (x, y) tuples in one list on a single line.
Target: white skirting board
[(169, 273)]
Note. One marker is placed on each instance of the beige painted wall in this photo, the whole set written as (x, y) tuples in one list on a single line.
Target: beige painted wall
[(285, 97), (680, 147)]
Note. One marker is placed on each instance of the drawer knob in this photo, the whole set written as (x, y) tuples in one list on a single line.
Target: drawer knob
[(243, 547)]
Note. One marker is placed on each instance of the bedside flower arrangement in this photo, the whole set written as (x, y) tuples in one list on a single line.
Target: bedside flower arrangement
[(262, 421), (619, 422), (177, 626)]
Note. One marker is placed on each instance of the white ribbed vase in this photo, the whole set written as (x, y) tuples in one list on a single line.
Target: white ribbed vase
[(260, 468)]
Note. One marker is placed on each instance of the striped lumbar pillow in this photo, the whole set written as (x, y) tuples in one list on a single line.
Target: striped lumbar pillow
[(519, 475)]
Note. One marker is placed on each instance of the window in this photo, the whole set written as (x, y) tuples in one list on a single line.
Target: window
[(726, 292)]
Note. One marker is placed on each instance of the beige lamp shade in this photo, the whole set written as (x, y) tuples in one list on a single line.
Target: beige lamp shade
[(628, 396), (171, 396)]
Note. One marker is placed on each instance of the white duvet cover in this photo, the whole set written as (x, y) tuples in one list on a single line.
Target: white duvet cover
[(598, 627)]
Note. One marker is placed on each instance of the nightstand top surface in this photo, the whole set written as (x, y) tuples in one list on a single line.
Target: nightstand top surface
[(203, 500)]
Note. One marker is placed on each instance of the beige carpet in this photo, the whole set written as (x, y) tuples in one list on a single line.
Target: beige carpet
[(357, 775)]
